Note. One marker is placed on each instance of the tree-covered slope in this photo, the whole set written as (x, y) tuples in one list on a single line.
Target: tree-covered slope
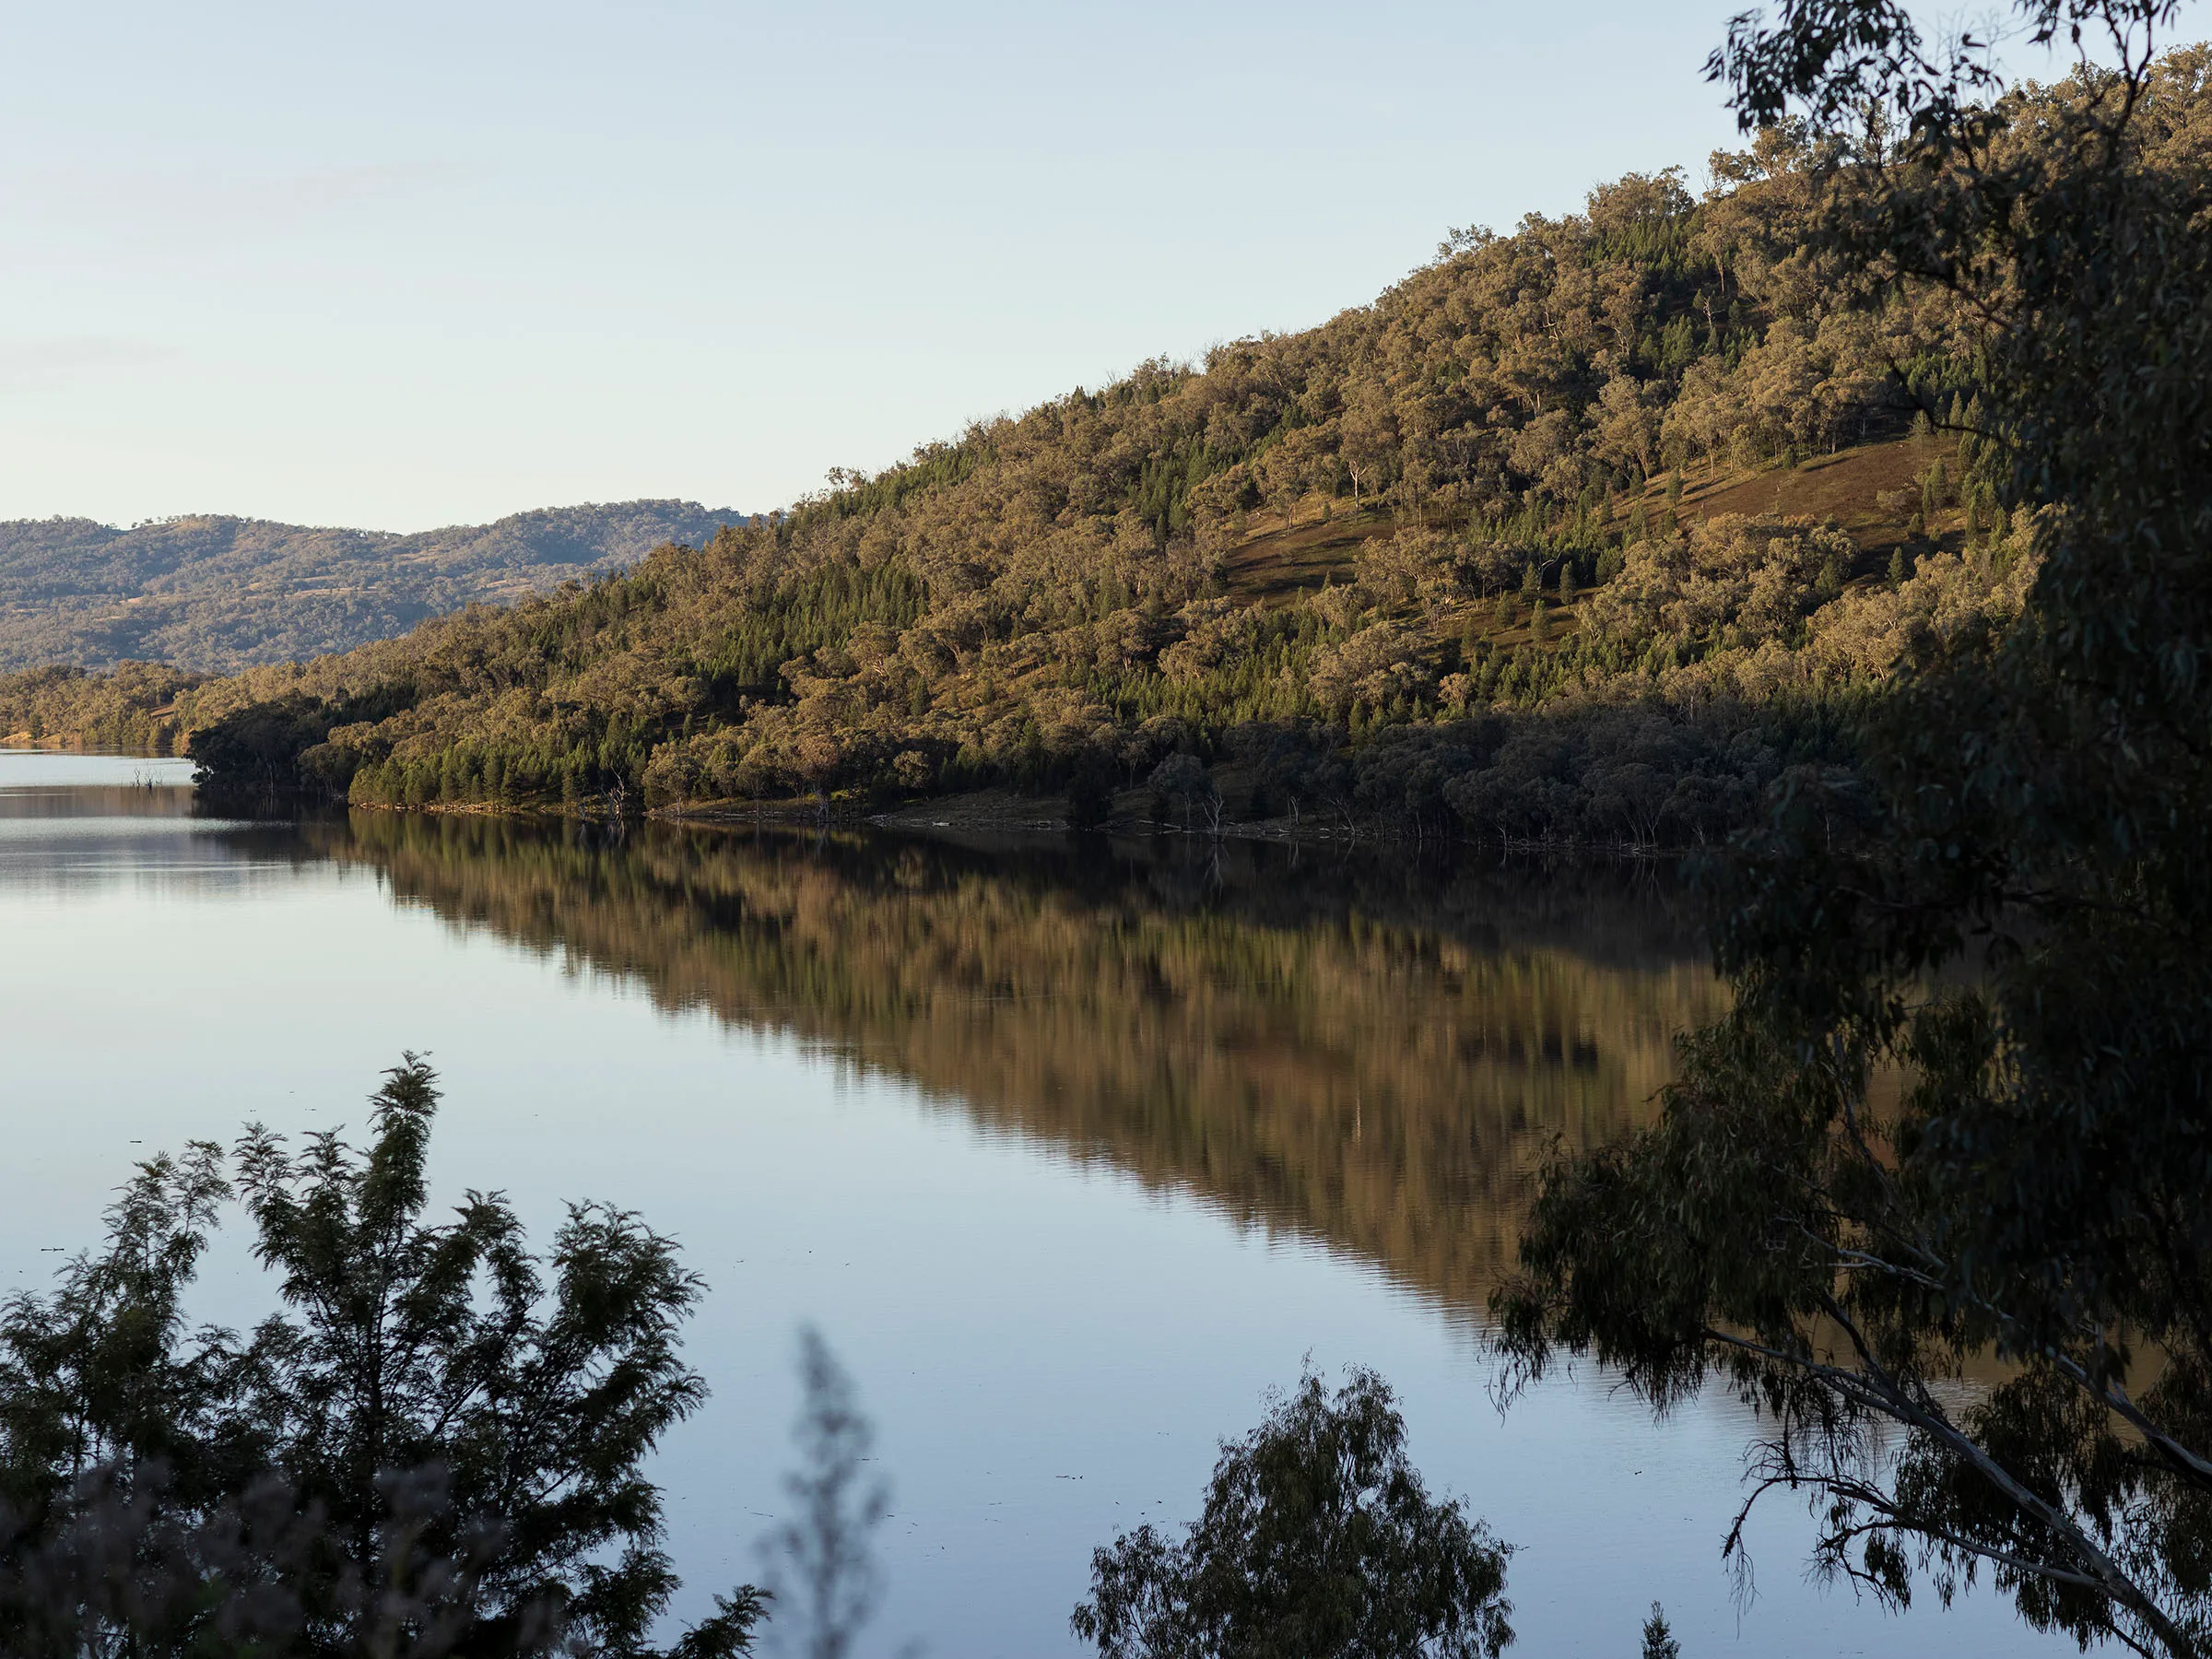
[(220, 594), (1587, 533)]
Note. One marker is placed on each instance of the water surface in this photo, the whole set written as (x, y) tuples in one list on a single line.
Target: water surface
[(1071, 1152)]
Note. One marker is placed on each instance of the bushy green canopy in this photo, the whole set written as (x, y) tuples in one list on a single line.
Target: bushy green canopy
[(1318, 1541), (433, 1447)]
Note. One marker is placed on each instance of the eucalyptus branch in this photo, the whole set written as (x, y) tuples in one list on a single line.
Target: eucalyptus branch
[(2114, 1398), (1882, 1393), (1899, 1522)]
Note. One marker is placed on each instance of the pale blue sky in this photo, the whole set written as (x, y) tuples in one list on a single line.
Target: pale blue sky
[(406, 265)]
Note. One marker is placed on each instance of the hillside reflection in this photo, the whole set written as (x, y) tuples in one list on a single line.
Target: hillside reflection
[(1373, 1056)]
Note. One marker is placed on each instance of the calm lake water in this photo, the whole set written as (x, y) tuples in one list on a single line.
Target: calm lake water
[(1070, 1155)]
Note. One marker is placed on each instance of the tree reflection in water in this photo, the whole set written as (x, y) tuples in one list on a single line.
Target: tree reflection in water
[(1358, 1048)]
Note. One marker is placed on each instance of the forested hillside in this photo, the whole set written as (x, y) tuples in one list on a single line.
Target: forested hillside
[(1584, 532), (220, 594)]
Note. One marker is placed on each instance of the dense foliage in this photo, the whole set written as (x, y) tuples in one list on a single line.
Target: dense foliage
[(1603, 521), (1318, 1541), (434, 1449), (133, 706), (1960, 1109), (218, 595)]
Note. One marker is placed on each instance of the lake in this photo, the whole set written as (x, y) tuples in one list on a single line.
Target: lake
[(1070, 1152)]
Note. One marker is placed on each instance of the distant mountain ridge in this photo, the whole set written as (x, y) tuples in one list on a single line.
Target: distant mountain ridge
[(222, 593)]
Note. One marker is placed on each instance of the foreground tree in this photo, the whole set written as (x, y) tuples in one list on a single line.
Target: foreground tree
[(1318, 1540), (434, 1448), (822, 1562), (1960, 1112)]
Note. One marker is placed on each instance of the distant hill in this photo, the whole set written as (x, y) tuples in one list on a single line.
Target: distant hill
[(223, 593)]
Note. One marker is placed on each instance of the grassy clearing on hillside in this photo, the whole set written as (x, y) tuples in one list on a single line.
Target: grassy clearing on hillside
[(1279, 557)]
